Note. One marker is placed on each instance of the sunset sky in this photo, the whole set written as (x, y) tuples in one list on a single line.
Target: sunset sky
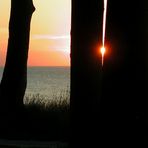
[(50, 32)]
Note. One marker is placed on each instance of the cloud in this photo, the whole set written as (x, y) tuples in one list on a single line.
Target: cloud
[(62, 49), (50, 37), (62, 42)]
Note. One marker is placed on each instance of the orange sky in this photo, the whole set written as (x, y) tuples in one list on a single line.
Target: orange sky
[(50, 32)]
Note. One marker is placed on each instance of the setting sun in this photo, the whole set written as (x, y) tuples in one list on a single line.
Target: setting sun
[(103, 50)]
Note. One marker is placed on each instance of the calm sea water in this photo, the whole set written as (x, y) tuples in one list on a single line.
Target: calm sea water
[(47, 80)]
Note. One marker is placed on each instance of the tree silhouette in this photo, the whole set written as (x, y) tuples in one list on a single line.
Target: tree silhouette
[(122, 105), (14, 80), (85, 68), (124, 87)]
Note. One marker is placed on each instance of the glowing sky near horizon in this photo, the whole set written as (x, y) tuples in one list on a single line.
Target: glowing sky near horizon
[(49, 36)]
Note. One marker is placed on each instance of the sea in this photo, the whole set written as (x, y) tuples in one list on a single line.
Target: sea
[(46, 81)]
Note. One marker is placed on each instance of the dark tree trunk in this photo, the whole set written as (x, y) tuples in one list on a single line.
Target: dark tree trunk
[(124, 100), (85, 69), (122, 93), (14, 80)]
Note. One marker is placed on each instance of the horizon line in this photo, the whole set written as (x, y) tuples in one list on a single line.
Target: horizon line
[(41, 66)]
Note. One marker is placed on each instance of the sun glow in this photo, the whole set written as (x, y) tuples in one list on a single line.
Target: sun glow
[(103, 52)]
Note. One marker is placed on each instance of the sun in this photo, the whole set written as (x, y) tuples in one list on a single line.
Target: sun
[(103, 50)]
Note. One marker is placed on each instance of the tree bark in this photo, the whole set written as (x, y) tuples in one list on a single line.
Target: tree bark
[(14, 80)]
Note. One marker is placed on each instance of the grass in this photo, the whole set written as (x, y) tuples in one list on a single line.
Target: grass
[(41, 119), (59, 100), (45, 118)]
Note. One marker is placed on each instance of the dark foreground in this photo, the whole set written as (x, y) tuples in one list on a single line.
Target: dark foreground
[(35, 127), (32, 144)]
